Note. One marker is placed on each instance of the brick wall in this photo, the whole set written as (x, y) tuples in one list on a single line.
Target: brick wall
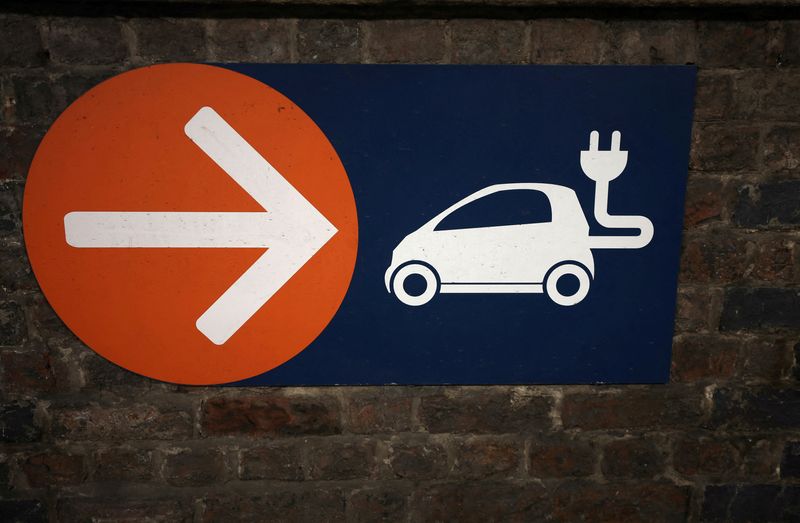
[(721, 442)]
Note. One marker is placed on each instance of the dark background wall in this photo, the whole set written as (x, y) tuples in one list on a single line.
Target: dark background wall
[(84, 439)]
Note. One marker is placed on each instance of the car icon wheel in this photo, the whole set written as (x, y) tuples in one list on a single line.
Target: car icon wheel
[(427, 284), (563, 273)]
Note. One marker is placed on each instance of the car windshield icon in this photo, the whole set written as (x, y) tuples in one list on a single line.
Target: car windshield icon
[(545, 249)]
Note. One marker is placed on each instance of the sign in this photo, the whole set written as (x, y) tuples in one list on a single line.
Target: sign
[(515, 224)]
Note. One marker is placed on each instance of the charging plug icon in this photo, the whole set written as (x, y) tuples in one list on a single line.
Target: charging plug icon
[(604, 166)]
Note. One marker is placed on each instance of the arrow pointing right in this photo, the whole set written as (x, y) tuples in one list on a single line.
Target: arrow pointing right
[(292, 229)]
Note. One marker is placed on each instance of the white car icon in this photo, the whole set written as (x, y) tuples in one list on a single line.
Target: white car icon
[(548, 250)]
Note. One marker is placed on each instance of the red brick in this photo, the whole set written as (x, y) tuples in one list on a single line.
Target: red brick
[(562, 458), (481, 457), (269, 415), (665, 406), (704, 357), (54, 468), (492, 410), (612, 502), (706, 200), (715, 257), (716, 456), (27, 372), (378, 412)]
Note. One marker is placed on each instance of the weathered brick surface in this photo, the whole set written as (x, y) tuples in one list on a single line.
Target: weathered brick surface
[(642, 501), (18, 423), (123, 464), (265, 416), (417, 458), (194, 467), (790, 463), (84, 440), (740, 503), (484, 457), (244, 40), (488, 42), (395, 41), (633, 458), (21, 42), (90, 41), (652, 408), (562, 458), (768, 204), (307, 504), (329, 41), (54, 468), (119, 508), (133, 421), (492, 410), (333, 459), (704, 455), (573, 41), (756, 407), (23, 510), (761, 309)]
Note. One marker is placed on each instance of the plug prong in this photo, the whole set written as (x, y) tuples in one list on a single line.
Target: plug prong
[(616, 136), (594, 141)]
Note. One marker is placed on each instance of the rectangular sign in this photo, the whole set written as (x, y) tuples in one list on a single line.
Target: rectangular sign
[(517, 224), (368, 224)]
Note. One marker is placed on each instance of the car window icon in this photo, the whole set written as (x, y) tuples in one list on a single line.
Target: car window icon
[(546, 248)]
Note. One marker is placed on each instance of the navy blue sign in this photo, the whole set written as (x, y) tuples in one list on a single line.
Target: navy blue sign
[(517, 224)]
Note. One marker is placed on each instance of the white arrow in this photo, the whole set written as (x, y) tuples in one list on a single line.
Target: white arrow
[(293, 230)]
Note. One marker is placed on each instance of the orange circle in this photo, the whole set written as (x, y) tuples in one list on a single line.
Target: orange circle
[(122, 147)]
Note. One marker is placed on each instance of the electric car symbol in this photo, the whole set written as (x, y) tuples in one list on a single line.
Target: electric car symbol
[(549, 252)]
